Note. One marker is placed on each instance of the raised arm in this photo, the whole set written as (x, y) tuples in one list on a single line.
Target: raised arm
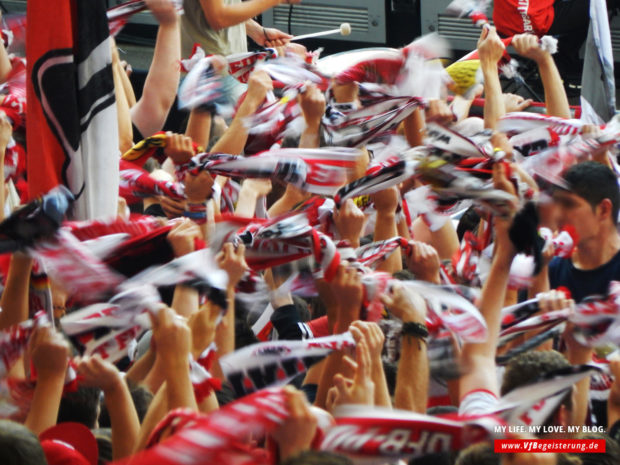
[(123, 416), (527, 45), (478, 359), (490, 50), (234, 139), (14, 301), (413, 371), (49, 354), (160, 88), (386, 203)]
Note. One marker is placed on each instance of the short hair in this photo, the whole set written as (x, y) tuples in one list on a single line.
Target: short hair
[(528, 367), (19, 445), (81, 406), (478, 454), (313, 457), (594, 183), (611, 456), (104, 445), (141, 398)]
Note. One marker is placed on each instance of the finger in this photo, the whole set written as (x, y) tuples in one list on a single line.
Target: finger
[(332, 398), (350, 362), (340, 384), (241, 250), (362, 358), (357, 334), (386, 300)]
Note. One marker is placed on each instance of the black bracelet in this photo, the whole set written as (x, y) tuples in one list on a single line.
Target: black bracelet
[(417, 330)]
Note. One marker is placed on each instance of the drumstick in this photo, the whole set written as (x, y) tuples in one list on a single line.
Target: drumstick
[(344, 29)]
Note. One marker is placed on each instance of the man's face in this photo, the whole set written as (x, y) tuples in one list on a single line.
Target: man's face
[(576, 211)]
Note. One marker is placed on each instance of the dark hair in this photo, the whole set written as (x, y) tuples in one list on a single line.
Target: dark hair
[(403, 275), (19, 445), (104, 445), (81, 406), (594, 182), (141, 397), (611, 456), (529, 366), (312, 457), (478, 454), (469, 222), (439, 458)]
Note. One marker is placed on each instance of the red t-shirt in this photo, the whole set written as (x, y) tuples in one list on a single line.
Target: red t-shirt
[(518, 16)]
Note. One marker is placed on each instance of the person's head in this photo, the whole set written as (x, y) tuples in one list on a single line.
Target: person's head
[(527, 368), (141, 397), (611, 456), (591, 201), (313, 457), (19, 445), (104, 445), (81, 406), (478, 454)]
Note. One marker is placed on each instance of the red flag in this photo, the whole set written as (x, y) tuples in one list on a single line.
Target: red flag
[(72, 127)]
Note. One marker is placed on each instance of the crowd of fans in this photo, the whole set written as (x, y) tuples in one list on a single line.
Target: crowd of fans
[(65, 403)]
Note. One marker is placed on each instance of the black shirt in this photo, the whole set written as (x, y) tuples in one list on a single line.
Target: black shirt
[(583, 283)]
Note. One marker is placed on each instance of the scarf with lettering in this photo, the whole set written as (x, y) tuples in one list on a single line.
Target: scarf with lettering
[(136, 184), (320, 171), (267, 364), (380, 433), (198, 439)]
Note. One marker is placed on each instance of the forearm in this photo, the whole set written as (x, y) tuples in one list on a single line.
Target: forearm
[(292, 197), (14, 301), (580, 355), (199, 127), (162, 81), (43, 411), (613, 404), (540, 283), (234, 139), (185, 300), (155, 377), (246, 204), (333, 365), (225, 334), (209, 404), (5, 64), (414, 126), (556, 100), (479, 358), (494, 107), (412, 377), (382, 393), (386, 228), (123, 418), (220, 15), (444, 240), (123, 115), (141, 367), (310, 137), (180, 390), (127, 88), (156, 411)]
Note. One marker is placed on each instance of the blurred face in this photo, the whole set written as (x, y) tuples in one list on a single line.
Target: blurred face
[(576, 211)]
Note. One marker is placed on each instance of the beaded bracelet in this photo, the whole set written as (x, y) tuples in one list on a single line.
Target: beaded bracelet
[(417, 330)]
